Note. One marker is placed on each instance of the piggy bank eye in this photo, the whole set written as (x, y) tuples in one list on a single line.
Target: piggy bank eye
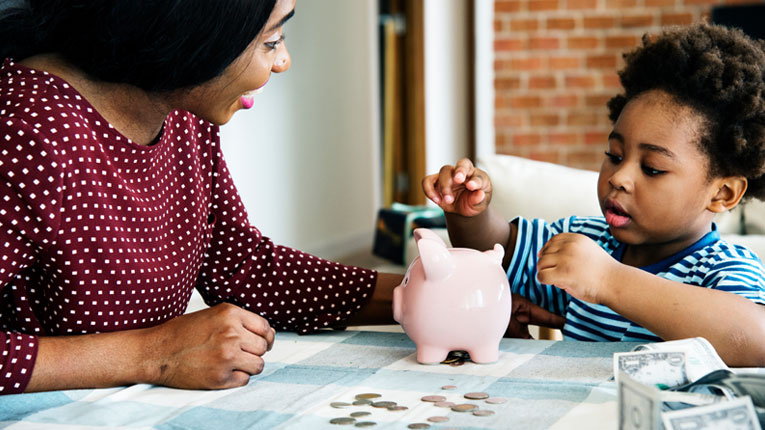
[(406, 280)]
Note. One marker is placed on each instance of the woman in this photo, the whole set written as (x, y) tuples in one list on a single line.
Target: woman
[(117, 201)]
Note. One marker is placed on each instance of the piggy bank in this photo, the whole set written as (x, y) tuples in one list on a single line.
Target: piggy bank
[(453, 299)]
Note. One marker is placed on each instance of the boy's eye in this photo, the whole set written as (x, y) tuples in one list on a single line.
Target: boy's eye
[(613, 158), (650, 171)]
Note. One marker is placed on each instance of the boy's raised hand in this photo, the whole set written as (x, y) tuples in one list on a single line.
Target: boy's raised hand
[(462, 189)]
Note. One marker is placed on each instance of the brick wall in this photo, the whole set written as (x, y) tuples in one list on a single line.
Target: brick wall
[(555, 68)]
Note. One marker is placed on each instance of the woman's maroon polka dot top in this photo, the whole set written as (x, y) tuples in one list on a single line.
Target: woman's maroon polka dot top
[(101, 234)]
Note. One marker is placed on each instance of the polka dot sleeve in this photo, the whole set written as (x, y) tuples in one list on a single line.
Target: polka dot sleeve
[(291, 289), (30, 185)]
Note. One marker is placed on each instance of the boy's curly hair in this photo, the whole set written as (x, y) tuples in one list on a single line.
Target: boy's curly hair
[(720, 73)]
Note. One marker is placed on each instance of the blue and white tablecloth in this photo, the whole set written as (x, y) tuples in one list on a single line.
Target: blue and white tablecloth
[(547, 384)]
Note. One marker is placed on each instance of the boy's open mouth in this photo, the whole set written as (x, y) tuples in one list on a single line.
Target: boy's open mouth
[(616, 216)]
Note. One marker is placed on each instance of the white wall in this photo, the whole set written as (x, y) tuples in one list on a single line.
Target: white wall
[(446, 81), (484, 78), (305, 158)]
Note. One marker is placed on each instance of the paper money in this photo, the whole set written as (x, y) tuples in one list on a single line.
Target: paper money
[(701, 357), (652, 367), (639, 404), (737, 414)]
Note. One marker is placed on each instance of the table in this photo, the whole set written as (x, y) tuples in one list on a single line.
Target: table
[(547, 384)]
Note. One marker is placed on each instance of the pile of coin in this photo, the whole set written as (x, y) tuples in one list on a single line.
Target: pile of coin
[(374, 400)]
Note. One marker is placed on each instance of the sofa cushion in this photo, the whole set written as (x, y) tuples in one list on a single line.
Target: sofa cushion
[(536, 189), (754, 217)]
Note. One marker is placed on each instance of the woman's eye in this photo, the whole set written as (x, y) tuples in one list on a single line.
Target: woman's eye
[(275, 44), (613, 158)]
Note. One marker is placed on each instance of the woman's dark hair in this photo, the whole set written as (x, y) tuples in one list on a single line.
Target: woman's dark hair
[(718, 72), (156, 45)]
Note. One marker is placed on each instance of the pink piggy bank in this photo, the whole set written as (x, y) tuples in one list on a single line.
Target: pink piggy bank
[(453, 299)]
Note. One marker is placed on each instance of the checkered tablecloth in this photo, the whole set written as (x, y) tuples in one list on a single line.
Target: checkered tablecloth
[(547, 384)]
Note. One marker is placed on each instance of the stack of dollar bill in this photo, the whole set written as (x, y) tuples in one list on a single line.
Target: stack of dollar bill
[(685, 385)]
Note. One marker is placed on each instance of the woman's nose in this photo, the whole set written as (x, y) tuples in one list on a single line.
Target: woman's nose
[(283, 60)]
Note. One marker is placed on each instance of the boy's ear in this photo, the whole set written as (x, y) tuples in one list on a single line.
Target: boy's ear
[(730, 190)]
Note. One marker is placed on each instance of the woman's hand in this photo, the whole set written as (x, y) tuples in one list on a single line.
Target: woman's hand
[(526, 313), (576, 264), (462, 189), (218, 347)]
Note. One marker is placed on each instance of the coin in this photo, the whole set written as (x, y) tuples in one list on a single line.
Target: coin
[(340, 405), (343, 421), (397, 408), (361, 402), (438, 419), (367, 396), (419, 426), (464, 407), (433, 399), (495, 400), (483, 413), (476, 396), (366, 424), (448, 387), (457, 363), (383, 404), (360, 414), (444, 404)]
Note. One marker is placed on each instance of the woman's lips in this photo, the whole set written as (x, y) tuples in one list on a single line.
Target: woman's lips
[(248, 99)]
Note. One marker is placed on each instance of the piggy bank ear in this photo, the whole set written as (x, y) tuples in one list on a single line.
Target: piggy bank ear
[(424, 233), (496, 254), (437, 262)]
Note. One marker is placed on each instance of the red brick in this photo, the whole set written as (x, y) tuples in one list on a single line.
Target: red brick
[(542, 82), (633, 21), (509, 120), (544, 120), (676, 19), (507, 83), (509, 44), (599, 22), (542, 5), (621, 42), (611, 80), (581, 4), (563, 138), (525, 102), (525, 24), (582, 118), (582, 42), (548, 156), (605, 61), (500, 65), (590, 160), (543, 43), (700, 2), (562, 101), (580, 82), (561, 23), (524, 139), (563, 63), (598, 100), (596, 138), (498, 25), (507, 6), (620, 4), (660, 3), (531, 63)]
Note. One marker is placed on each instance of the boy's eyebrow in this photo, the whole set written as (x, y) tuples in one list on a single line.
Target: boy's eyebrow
[(644, 146), (282, 21)]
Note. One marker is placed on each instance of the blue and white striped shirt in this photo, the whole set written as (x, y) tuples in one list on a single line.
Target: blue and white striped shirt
[(711, 262)]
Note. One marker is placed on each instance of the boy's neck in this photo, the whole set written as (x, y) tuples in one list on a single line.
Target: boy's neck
[(647, 254)]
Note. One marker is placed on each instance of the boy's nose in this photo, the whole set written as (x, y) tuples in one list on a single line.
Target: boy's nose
[(621, 180)]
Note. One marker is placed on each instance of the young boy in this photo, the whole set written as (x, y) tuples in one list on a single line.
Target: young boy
[(688, 142)]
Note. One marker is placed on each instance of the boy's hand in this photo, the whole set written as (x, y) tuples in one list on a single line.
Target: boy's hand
[(462, 189), (576, 264), (526, 313)]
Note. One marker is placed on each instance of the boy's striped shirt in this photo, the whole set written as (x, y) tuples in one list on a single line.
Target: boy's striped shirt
[(710, 262)]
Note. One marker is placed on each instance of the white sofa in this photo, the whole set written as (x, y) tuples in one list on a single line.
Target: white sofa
[(535, 189)]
